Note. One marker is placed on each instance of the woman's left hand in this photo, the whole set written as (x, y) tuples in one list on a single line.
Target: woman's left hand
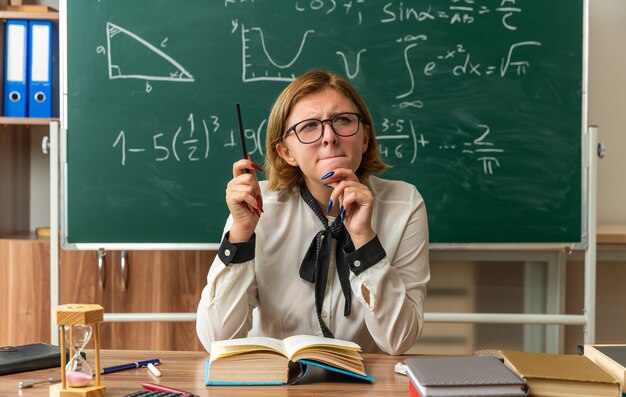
[(358, 204)]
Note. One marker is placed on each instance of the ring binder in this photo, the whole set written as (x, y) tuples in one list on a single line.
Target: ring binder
[(40, 69), (15, 69)]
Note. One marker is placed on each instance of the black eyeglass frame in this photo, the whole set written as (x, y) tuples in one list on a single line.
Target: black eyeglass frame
[(322, 122)]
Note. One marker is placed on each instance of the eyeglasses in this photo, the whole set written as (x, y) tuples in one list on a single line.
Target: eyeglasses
[(311, 130)]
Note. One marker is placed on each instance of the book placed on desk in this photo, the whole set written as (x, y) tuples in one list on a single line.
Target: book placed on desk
[(611, 358), (42, 231), (554, 375), (463, 376), (269, 361), (29, 357)]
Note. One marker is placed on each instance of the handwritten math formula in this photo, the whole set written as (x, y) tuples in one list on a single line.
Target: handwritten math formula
[(399, 140), (413, 54), (480, 104)]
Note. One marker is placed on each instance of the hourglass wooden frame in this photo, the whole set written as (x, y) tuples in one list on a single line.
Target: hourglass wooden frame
[(72, 315)]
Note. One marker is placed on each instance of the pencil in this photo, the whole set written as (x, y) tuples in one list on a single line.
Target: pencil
[(243, 138), (245, 156)]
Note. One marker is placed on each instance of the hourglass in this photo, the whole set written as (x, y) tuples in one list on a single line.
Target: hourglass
[(78, 373), (77, 323)]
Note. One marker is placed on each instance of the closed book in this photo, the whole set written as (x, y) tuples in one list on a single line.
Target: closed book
[(611, 358), (269, 361), (463, 376), (29, 357), (43, 231), (556, 375), (413, 390)]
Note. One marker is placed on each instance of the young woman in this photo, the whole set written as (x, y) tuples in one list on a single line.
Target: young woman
[(321, 247)]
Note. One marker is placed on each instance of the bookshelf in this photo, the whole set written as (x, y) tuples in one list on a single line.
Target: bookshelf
[(18, 142), (50, 15), (4, 121), (24, 201)]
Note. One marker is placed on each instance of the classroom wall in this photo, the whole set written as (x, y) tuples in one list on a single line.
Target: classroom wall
[(607, 103), (607, 109), (39, 179)]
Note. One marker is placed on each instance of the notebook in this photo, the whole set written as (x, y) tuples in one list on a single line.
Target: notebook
[(463, 376), (29, 357)]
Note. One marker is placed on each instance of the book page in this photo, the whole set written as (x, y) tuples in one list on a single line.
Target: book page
[(350, 364), (611, 358), (231, 347), (296, 343), (616, 353)]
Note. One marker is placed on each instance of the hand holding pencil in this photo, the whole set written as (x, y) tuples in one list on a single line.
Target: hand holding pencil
[(243, 194)]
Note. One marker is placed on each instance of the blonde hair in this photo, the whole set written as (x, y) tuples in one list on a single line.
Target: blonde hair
[(279, 173)]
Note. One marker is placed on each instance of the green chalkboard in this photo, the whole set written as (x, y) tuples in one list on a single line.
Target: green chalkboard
[(479, 104)]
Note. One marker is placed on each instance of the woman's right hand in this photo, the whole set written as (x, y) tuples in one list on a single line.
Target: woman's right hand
[(243, 197)]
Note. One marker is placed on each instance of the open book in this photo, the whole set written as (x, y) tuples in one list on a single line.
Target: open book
[(261, 360)]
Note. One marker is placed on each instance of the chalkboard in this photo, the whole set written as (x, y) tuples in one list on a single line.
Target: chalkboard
[(477, 103)]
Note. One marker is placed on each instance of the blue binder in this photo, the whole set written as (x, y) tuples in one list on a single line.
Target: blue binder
[(40, 69), (15, 68)]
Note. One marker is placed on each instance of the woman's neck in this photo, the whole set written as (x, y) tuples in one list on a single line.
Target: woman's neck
[(322, 194)]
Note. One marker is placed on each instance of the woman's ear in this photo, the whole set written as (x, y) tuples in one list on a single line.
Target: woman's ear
[(285, 154)]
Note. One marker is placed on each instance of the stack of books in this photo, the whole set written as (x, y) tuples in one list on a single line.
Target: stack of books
[(600, 372)]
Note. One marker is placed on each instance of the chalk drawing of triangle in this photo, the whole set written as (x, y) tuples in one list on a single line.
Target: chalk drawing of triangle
[(131, 57)]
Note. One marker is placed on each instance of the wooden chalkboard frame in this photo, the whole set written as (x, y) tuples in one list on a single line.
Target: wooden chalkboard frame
[(68, 243)]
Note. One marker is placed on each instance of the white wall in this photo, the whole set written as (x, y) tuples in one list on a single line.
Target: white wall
[(607, 103), (39, 180)]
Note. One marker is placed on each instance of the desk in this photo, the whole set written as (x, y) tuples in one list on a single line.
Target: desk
[(611, 234), (185, 370)]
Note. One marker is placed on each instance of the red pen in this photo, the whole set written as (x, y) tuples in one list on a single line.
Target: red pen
[(155, 387)]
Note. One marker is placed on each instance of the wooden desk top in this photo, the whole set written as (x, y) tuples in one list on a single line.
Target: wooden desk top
[(185, 370), (611, 234)]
